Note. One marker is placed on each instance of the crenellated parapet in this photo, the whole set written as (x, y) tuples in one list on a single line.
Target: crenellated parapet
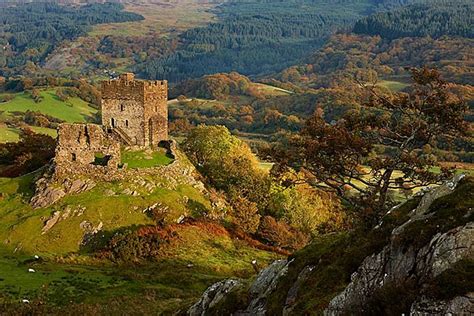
[(126, 87)]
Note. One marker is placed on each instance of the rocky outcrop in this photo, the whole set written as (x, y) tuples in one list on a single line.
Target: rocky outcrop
[(460, 305), (259, 291), (49, 192), (415, 252), (399, 263), (395, 264), (213, 296), (263, 286)]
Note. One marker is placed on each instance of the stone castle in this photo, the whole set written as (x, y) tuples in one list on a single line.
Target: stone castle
[(135, 110), (134, 114)]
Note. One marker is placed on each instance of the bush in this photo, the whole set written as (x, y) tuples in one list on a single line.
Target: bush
[(280, 234), (306, 209), (245, 214), (227, 163), (135, 245)]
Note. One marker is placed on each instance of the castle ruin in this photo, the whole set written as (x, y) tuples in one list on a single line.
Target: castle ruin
[(135, 110), (134, 114)]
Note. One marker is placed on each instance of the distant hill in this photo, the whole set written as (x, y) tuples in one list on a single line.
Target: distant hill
[(435, 19), (29, 32)]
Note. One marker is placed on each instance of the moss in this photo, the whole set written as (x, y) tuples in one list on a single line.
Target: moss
[(335, 258), (458, 280), (447, 212), (236, 299)]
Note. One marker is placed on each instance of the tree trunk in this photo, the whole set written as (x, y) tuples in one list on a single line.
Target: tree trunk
[(387, 175)]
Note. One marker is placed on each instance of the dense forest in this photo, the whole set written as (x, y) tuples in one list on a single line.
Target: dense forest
[(258, 37), (434, 18), (30, 31)]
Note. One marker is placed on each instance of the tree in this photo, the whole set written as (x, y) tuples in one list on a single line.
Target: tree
[(340, 157), (227, 163)]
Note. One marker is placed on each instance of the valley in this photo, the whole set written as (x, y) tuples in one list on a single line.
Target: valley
[(236, 157)]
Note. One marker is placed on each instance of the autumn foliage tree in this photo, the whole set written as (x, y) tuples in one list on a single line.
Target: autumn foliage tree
[(340, 156)]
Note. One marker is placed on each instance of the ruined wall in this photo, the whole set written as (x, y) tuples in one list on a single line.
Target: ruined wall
[(132, 106), (79, 145)]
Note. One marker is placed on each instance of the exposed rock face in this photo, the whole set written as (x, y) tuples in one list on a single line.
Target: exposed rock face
[(395, 264), (53, 186), (264, 285), (212, 296), (398, 263), (417, 262), (49, 191), (460, 305)]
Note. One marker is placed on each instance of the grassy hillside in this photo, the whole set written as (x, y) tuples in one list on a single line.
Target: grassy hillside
[(194, 256), (73, 110)]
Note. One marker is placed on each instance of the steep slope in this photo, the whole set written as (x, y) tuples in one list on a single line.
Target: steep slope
[(418, 260), (84, 253)]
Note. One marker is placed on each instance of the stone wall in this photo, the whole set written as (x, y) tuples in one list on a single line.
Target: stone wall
[(78, 147), (136, 108)]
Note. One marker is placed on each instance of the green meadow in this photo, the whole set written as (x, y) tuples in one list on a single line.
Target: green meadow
[(74, 110)]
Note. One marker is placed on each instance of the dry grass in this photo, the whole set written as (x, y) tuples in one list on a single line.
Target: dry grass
[(163, 17)]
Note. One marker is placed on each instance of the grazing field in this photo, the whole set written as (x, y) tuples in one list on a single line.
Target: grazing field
[(74, 110), (196, 255), (393, 85)]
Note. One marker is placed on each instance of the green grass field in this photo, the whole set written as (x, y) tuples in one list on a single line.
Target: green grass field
[(141, 159), (74, 110), (197, 256), (395, 86)]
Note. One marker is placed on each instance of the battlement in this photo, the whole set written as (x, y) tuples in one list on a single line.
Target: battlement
[(128, 87)]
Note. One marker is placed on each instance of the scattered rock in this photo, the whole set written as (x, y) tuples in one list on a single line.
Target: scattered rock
[(109, 192), (212, 296), (45, 196), (51, 222), (460, 305), (89, 231)]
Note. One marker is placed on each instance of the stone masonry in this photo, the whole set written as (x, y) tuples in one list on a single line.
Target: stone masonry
[(135, 110), (85, 148)]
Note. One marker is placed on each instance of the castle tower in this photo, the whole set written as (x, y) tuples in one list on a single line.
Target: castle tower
[(135, 110)]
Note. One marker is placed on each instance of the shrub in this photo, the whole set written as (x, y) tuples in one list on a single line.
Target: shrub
[(245, 214), (227, 163), (306, 209), (280, 234), (135, 245)]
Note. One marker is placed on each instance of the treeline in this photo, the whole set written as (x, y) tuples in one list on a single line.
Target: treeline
[(371, 58), (30, 31), (218, 86), (256, 37), (435, 19)]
